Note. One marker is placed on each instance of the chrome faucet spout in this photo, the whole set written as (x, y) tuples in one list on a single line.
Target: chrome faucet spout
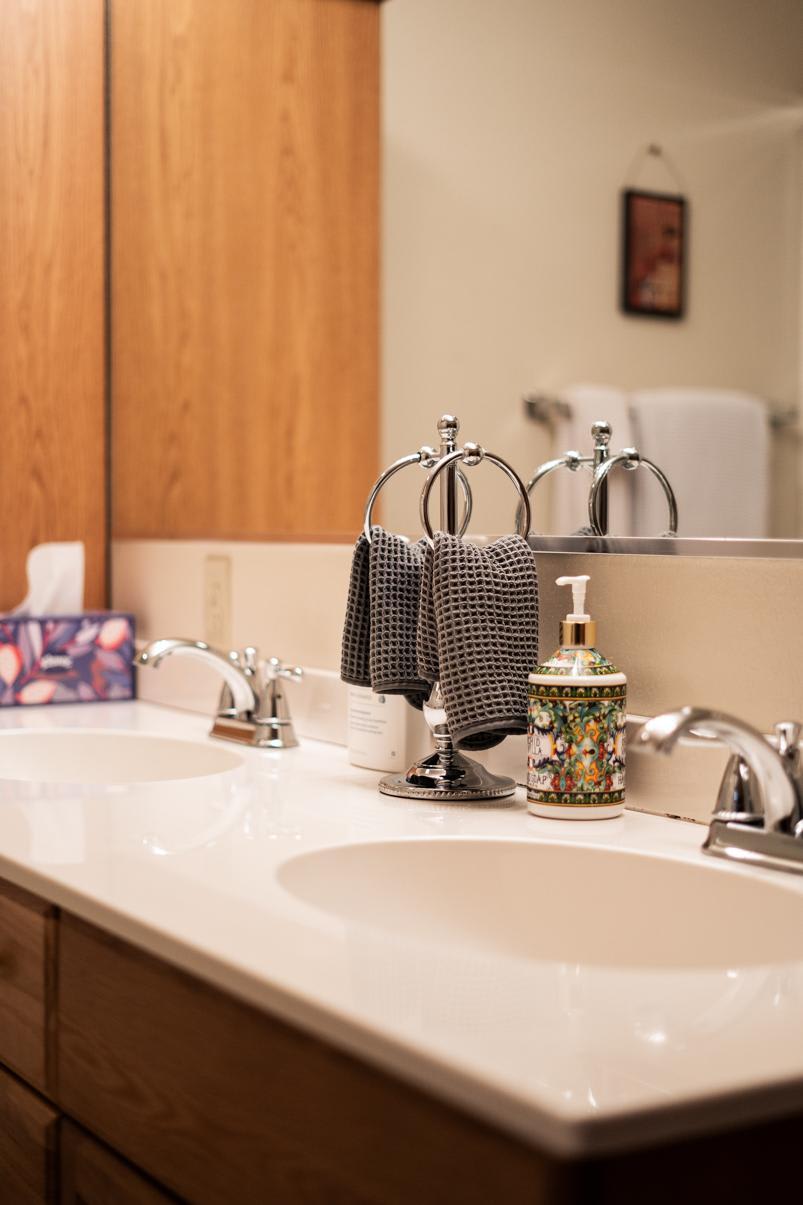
[(244, 696), (252, 709), (775, 786)]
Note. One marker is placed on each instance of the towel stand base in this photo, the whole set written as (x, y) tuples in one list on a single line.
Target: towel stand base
[(449, 778)]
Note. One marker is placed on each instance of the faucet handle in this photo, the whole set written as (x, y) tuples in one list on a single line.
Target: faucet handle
[(787, 733), (274, 712), (245, 659), (788, 736), (275, 668)]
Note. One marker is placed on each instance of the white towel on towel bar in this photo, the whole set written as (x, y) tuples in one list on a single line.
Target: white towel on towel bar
[(714, 446), (569, 510)]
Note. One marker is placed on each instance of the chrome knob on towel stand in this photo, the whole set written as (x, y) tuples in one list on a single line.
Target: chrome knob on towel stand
[(447, 775), (602, 463)]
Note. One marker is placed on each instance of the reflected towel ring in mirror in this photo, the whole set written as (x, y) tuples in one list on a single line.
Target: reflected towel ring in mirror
[(426, 457), (601, 432), (571, 460), (630, 459), (472, 454)]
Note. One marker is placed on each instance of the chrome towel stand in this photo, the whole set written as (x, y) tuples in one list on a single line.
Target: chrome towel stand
[(427, 457), (601, 462), (447, 775)]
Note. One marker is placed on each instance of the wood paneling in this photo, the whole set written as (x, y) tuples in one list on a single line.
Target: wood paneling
[(245, 147), (28, 1140), (27, 978), (92, 1175), (52, 476), (223, 1103)]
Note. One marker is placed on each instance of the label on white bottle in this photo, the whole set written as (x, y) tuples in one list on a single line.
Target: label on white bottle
[(377, 729)]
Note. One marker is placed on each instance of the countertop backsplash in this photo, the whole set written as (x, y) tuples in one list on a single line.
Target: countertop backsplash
[(685, 630)]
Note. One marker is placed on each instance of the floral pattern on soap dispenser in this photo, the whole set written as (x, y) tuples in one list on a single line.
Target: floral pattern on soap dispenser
[(577, 744)]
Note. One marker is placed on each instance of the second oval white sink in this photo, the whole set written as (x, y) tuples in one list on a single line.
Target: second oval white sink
[(95, 756), (551, 902)]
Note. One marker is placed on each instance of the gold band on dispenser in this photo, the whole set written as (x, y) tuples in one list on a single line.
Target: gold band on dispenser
[(584, 632)]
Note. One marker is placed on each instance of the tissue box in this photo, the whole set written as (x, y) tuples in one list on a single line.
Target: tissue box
[(66, 658)]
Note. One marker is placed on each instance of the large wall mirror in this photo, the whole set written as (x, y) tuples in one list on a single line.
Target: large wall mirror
[(510, 131), (260, 246), (247, 143)]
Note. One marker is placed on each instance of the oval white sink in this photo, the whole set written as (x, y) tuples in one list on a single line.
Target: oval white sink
[(554, 903), (93, 756)]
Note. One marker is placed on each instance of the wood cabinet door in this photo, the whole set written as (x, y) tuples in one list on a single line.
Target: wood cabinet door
[(93, 1175), (27, 973), (225, 1104), (28, 1140)]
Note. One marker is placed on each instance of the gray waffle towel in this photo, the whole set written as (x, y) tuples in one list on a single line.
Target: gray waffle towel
[(478, 633), (379, 633)]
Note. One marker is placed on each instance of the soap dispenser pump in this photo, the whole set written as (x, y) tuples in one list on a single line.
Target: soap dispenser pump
[(576, 724)]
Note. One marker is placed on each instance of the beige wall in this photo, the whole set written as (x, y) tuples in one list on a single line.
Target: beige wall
[(509, 129)]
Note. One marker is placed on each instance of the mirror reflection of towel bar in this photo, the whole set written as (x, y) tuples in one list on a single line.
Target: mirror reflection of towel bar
[(546, 408), (782, 418)]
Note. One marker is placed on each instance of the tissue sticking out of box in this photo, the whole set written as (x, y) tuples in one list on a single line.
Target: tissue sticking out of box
[(51, 650), (55, 580)]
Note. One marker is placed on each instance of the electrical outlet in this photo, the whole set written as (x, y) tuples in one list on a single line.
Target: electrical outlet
[(217, 601)]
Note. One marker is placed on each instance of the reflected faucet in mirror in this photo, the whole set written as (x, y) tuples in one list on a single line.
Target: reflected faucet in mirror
[(252, 709)]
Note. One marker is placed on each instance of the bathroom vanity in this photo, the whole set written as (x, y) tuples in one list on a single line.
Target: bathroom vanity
[(224, 987)]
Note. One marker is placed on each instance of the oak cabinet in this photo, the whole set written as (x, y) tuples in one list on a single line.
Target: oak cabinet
[(222, 1102), (158, 1084), (28, 1138), (90, 1174), (27, 969)]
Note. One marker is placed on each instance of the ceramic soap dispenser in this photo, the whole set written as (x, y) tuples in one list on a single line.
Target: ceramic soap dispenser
[(576, 724)]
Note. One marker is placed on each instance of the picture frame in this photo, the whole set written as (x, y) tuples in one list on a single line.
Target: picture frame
[(654, 237)]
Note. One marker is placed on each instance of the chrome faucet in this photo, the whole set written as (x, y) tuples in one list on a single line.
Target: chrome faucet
[(252, 708), (759, 814)]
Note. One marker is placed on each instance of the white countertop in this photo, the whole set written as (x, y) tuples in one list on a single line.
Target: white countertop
[(576, 1057)]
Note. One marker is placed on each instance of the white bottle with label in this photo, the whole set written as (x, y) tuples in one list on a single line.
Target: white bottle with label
[(576, 724), (377, 729)]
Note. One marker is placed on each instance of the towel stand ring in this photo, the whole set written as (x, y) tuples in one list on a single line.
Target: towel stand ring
[(426, 457), (472, 454), (629, 458)]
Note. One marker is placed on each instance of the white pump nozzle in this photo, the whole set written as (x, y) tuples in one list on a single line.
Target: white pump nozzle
[(578, 585)]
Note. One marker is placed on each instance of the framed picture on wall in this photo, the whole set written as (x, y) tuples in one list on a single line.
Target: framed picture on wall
[(653, 254)]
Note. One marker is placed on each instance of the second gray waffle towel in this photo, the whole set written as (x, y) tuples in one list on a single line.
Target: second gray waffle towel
[(478, 633)]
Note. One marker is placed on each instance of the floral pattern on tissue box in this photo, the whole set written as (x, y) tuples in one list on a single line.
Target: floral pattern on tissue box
[(66, 659)]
